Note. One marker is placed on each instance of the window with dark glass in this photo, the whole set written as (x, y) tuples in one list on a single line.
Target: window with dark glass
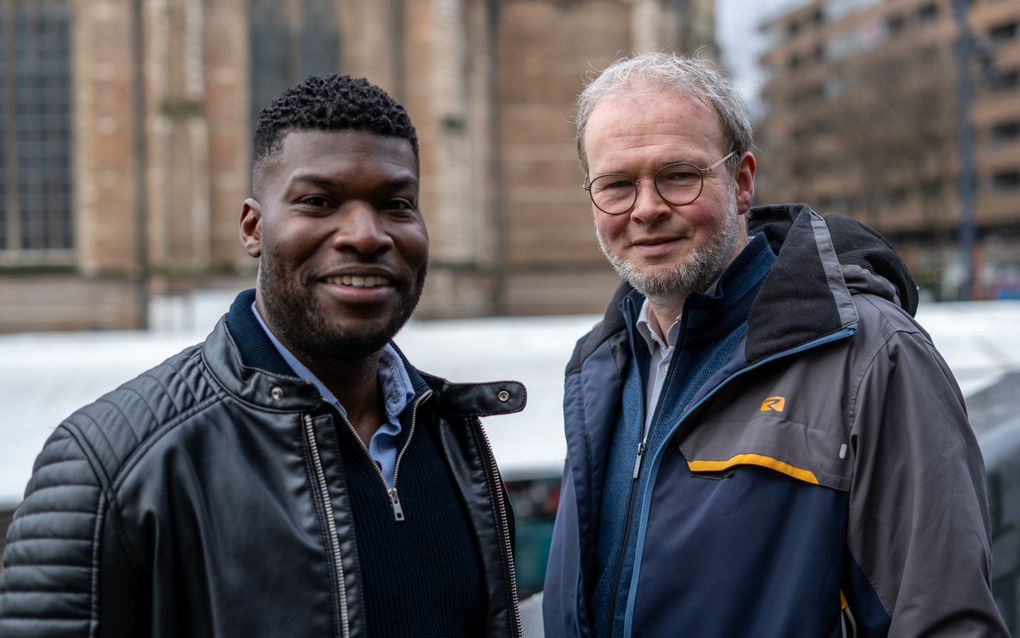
[(1004, 32), (932, 190), (928, 12), (1006, 180), (36, 221), (290, 40), (894, 24), (1008, 80), (1006, 130)]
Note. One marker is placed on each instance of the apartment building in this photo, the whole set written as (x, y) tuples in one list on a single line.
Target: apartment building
[(125, 130), (863, 116)]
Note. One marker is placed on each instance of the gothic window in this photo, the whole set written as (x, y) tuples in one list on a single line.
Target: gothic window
[(36, 222), (290, 40)]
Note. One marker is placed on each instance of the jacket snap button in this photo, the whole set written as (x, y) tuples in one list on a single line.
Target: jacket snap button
[(503, 396), (276, 393)]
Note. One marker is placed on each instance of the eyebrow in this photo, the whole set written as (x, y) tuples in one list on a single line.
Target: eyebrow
[(321, 181), (697, 164), (314, 180), (657, 168)]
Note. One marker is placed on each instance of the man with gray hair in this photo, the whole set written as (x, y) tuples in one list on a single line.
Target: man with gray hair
[(761, 440)]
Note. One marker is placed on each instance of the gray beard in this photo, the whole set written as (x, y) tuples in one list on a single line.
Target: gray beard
[(699, 270)]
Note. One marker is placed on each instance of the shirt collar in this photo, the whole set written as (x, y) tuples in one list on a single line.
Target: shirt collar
[(651, 335), (396, 384)]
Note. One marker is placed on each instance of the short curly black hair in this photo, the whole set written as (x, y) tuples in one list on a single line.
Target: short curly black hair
[(332, 102)]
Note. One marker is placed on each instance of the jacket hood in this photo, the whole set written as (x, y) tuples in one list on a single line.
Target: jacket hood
[(857, 246)]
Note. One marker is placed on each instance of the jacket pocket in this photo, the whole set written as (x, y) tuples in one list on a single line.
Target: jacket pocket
[(812, 454)]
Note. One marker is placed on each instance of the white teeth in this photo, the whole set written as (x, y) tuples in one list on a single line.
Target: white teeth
[(360, 281)]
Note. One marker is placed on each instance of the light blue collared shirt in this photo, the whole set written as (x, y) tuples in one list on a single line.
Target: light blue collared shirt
[(397, 391)]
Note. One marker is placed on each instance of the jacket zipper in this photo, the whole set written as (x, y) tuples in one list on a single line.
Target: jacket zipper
[(398, 511), (618, 572), (847, 623), (334, 537), (508, 553), (646, 429)]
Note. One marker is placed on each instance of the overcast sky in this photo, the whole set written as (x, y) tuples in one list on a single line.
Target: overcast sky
[(740, 42)]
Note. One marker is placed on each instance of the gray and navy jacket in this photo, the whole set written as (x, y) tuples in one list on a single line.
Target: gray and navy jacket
[(825, 482)]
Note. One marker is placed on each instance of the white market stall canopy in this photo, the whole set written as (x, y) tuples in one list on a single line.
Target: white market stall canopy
[(45, 377)]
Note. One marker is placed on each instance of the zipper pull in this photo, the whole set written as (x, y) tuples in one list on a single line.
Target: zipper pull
[(398, 512), (637, 461)]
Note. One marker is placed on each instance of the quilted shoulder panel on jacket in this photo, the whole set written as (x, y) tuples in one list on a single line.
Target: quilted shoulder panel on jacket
[(46, 588), (121, 425), (49, 583)]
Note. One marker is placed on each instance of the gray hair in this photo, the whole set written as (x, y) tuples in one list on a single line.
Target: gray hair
[(687, 76)]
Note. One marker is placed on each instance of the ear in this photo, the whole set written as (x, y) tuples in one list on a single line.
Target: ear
[(744, 182), (251, 227)]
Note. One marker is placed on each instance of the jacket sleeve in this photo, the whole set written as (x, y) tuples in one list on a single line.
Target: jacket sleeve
[(918, 543), (49, 585)]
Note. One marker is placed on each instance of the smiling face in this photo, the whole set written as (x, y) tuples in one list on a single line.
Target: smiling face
[(341, 242), (667, 251)]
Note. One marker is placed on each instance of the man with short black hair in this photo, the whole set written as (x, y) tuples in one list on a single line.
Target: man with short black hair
[(293, 475), (761, 440)]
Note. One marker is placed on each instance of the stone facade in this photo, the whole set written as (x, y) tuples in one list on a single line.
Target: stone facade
[(489, 84)]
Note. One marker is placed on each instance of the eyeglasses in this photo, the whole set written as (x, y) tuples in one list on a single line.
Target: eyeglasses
[(679, 183)]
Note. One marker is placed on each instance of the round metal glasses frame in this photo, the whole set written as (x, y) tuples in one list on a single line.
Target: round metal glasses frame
[(616, 193)]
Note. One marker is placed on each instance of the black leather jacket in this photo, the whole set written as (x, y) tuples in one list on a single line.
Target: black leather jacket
[(206, 498)]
